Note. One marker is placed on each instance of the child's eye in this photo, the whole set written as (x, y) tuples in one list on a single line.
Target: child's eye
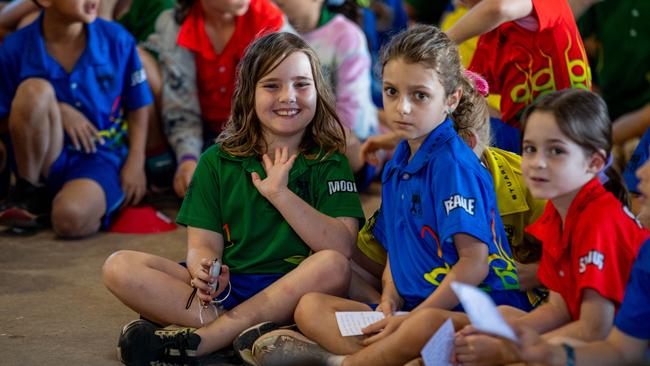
[(556, 151), (420, 96), (390, 91), (302, 84), (270, 86), (528, 149)]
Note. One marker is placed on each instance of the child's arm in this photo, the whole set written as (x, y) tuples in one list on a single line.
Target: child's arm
[(316, 229), (14, 11), (486, 16), (631, 125), (390, 298), (471, 268), (134, 182), (548, 316), (473, 345), (596, 319), (203, 246), (619, 348)]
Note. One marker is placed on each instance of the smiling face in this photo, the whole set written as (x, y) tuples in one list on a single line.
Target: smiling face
[(74, 10), (415, 102), (554, 167), (285, 99)]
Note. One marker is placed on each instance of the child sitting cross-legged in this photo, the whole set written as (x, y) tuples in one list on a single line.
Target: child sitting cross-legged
[(68, 85), (274, 201)]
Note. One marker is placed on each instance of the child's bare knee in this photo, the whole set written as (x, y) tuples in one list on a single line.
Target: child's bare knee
[(73, 220), (115, 267), (308, 305), (333, 268), (33, 94)]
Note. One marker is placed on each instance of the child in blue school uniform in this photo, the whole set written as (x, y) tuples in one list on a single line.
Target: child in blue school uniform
[(438, 220), (68, 84)]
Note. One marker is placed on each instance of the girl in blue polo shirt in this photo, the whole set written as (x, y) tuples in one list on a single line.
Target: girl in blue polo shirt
[(438, 220)]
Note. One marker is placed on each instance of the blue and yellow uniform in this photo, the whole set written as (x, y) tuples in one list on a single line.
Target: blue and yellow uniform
[(107, 80), (442, 191)]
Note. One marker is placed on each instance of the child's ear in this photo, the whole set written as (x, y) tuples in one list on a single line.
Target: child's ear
[(472, 140), (597, 162), (453, 99)]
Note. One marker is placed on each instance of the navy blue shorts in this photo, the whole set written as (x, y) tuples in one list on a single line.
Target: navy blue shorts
[(245, 286), (72, 165)]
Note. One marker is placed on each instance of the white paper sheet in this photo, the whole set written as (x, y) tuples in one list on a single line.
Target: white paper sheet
[(437, 351), (351, 322), (482, 311)]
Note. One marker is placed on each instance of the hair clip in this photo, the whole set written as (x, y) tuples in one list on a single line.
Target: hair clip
[(480, 84)]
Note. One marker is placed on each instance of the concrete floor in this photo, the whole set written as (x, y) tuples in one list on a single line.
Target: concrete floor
[(54, 309)]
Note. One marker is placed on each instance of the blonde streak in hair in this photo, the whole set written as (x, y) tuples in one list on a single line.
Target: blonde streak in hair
[(326, 129)]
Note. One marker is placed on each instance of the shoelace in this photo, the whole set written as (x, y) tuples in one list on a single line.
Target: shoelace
[(175, 341)]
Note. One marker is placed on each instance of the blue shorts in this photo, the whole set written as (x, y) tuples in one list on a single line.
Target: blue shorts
[(73, 164), (514, 298), (245, 286)]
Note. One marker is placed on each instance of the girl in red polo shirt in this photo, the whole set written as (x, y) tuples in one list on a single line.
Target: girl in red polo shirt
[(589, 238), (200, 44)]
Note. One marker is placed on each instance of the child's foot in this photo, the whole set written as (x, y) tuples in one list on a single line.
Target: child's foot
[(288, 348), (27, 207), (143, 343)]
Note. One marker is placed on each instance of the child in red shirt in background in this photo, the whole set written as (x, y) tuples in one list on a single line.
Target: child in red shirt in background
[(527, 48), (589, 239), (200, 43)]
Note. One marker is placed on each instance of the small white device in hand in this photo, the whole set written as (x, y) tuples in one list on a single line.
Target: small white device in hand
[(215, 271)]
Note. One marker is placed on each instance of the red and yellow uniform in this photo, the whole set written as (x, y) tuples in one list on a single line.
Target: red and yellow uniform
[(595, 250), (527, 58)]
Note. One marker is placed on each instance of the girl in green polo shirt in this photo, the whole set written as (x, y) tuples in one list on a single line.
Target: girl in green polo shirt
[(274, 200)]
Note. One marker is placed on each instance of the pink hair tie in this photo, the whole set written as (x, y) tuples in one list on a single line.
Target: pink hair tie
[(479, 83)]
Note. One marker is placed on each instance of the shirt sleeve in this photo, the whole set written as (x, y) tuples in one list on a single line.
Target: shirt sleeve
[(336, 190), (462, 203), (136, 89), (639, 157), (201, 206), (547, 12), (634, 315), (599, 264)]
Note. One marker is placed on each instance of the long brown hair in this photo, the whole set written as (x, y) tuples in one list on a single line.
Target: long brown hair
[(431, 47), (243, 132), (582, 116)]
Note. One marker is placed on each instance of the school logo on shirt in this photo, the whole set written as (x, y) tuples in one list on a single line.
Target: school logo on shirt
[(138, 77), (593, 257), (458, 201), (335, 186)]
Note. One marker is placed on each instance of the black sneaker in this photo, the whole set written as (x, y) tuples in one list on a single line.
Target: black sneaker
[(289, 348), (143, 343), (27, 207), (243, 343)]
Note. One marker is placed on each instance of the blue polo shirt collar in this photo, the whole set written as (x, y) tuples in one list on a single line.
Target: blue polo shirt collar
[(437, 138), (94, 54)]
